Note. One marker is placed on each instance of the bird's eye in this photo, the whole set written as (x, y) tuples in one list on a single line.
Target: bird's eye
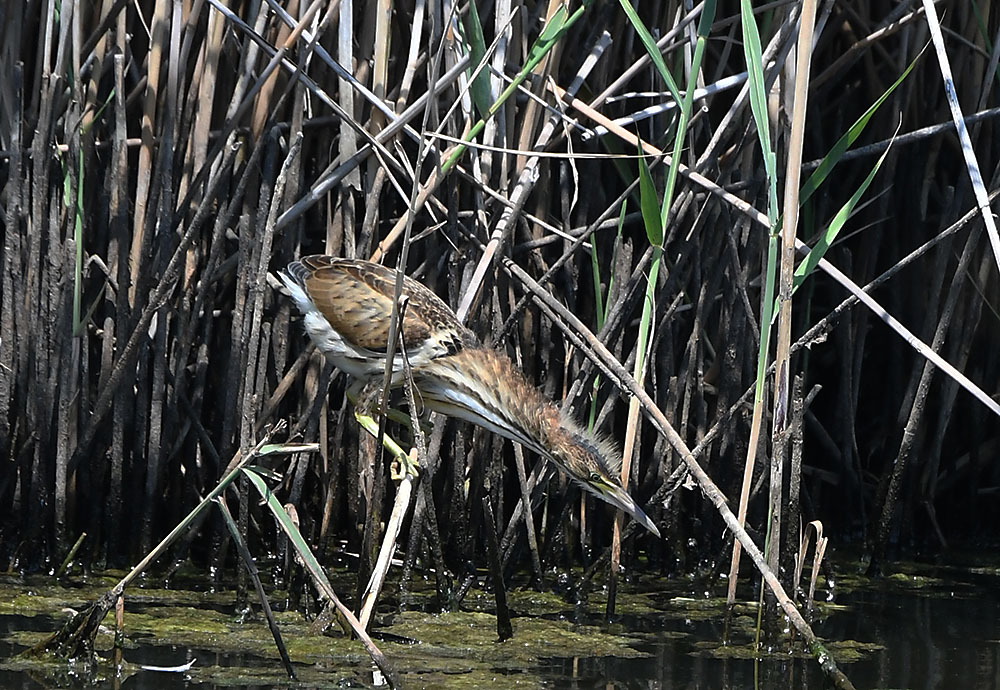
[(595, 477)]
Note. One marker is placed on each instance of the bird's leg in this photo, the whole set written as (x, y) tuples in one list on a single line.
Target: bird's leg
[(366, 398), (369, 424), (356, 394)]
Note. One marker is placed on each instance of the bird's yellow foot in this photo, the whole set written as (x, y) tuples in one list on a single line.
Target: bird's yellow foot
[(404, 466)]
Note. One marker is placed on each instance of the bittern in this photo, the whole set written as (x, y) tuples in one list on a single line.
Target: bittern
[(348, 307)]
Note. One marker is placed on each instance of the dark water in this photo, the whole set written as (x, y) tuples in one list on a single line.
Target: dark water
[(933, 628)]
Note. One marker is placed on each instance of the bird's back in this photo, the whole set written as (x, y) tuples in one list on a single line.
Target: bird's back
[(348, 306)]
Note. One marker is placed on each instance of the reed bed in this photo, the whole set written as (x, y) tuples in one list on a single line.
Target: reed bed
[(159, 163)]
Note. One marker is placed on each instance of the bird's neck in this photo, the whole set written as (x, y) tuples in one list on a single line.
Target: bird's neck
[(483, 386)]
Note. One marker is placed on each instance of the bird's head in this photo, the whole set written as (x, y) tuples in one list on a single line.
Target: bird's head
[(592, 463)]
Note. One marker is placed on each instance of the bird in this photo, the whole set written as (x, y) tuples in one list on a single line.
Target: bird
[(347, 308)]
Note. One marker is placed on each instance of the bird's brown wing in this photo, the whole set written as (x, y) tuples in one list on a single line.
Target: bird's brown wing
[(356, 298)]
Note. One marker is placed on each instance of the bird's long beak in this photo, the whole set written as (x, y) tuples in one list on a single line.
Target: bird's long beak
[(619, 497)]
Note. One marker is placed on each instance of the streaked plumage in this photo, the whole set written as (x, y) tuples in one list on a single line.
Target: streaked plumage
[(348, 305)]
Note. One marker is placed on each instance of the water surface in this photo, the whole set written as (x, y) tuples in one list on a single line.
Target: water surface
[(930, 627)]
